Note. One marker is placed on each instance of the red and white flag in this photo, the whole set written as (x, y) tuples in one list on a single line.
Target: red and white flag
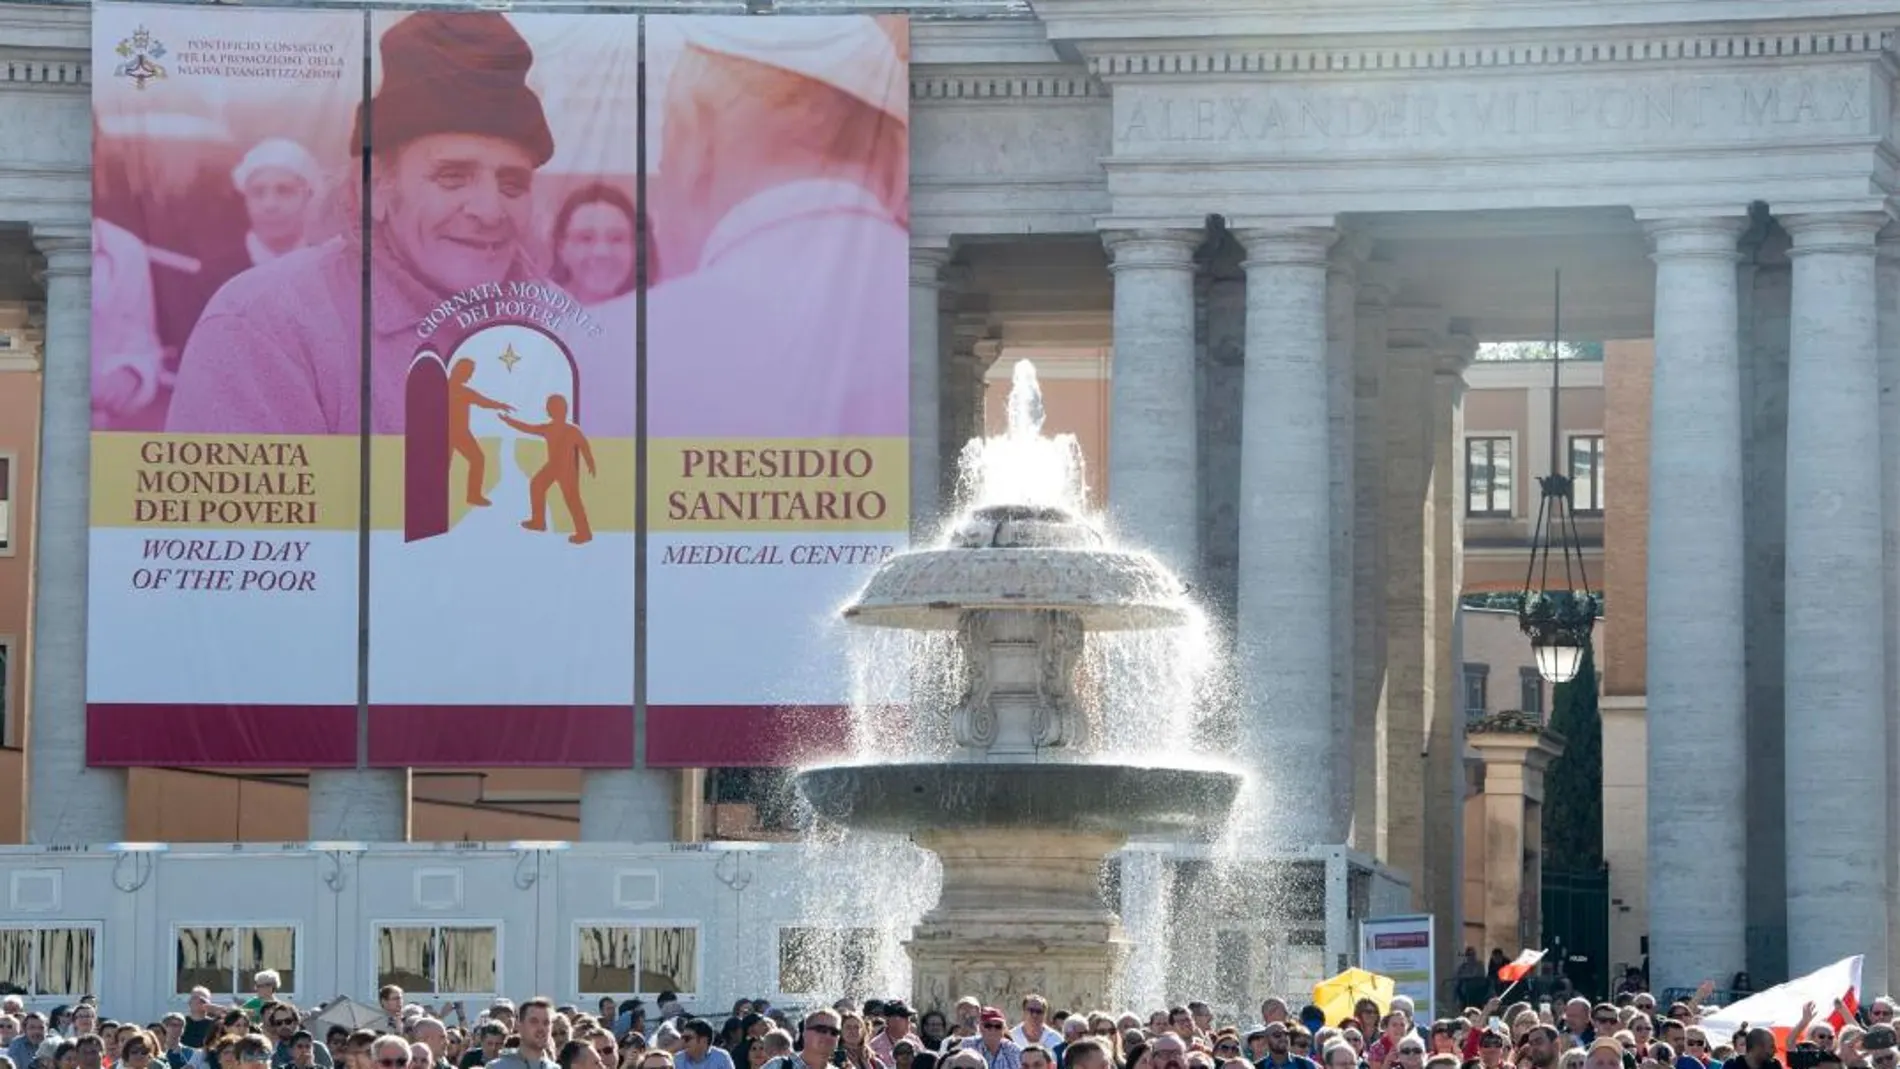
[(1779, 1008), (1519, 967)]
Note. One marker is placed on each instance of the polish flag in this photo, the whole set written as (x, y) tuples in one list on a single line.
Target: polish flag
[(1779, 1007), (1519, 967)]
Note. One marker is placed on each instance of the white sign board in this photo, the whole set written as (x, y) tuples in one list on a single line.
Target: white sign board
[(1401, 947)]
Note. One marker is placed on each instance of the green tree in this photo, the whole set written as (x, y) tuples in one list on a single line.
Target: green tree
[(1573, 786)]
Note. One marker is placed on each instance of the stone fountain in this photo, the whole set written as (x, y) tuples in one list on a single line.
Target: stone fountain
[(1022, 804)]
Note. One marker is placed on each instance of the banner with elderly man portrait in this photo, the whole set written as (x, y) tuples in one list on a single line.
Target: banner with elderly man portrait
[(226, 473), (388, 306), (777, 370), (502, 237)]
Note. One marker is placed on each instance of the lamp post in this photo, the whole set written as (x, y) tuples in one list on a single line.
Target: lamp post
[(1557, 611)]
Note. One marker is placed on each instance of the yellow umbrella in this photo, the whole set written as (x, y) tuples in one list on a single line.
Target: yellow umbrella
[(1337, 996)]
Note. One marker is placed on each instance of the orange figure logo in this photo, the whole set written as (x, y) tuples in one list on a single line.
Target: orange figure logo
[(565, 443), (463, 399)]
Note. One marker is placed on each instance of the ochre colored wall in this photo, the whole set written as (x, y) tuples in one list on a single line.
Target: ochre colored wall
[(171, 805), (19, 441), (1626, 377)]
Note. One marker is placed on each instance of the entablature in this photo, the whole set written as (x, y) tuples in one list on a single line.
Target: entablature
[(1104, 21)]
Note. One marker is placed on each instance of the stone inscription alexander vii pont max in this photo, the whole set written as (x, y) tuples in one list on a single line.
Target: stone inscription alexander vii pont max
[(1514, 113)]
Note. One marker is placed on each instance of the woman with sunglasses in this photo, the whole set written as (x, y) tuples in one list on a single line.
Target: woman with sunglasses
[(136, 1049)]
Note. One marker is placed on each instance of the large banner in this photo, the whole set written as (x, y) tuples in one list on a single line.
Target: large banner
[(369, 346), (777, 370), (226, 472), (503, 373)]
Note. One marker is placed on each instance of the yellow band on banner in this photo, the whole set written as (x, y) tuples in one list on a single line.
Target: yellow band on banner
[(607, 491), (778, 484), (225, 482)]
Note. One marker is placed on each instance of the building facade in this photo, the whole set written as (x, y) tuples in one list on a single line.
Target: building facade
[(1292, 224)]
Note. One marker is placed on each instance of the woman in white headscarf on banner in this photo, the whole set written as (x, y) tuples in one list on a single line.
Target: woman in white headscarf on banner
[(780, 201)]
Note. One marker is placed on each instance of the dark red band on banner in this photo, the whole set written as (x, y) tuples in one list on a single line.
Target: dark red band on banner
[(225, 736), (499, 736), (745, 736)]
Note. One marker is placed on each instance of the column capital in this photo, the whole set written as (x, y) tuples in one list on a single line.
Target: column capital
[(1455, 351), (1173, 248), (1416, 327), (927, 263), (1837, 232), (1701, 237), (1887, 243), (66, 245), (1309, 246), (1378, 284)]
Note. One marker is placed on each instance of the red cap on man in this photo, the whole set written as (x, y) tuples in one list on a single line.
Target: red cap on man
[(454, 72), (992, 1015)]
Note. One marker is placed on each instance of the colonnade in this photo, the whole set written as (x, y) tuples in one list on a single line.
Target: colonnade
[(1707, 750), (1347, 497), (1349, 513), (1335, 500)]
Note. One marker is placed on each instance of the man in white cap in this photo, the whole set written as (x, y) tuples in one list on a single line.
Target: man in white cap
[(278, 178), (781, 192)]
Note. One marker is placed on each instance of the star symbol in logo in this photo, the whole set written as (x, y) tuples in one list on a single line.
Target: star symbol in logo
[(509, 358)]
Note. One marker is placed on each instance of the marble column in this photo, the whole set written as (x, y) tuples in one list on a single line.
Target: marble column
[(1836, 739), (1153, 502), (1369, 557), (1413, 335), (1443, 777), (368, 805), (1514, 765), (67, 803), (1888, 292), (1222, 355), (1285, 638), (1765, 285), (1697, 852), (926, 388), (1341, 297)]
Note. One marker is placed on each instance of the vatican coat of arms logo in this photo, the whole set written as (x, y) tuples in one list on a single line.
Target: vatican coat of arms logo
[(141, 53)]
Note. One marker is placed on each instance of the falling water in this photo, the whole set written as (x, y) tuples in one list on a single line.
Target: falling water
[(1022, 466), (1157, 697)]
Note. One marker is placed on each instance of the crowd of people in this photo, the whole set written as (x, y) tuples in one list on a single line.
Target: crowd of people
[(1632, 1032)]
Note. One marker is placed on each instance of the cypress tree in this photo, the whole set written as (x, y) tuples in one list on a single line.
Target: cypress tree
[(1573, 785)]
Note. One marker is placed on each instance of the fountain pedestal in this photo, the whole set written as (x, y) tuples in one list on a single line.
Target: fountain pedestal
[(1021, 913)]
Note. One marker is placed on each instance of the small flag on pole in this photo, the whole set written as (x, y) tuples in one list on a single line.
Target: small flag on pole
[(1519, 967)]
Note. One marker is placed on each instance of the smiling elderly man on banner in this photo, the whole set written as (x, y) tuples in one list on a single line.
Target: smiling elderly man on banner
[(783, 173), (456, 136)]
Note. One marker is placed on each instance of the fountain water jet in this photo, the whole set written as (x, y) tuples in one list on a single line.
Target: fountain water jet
[(1020, 798)]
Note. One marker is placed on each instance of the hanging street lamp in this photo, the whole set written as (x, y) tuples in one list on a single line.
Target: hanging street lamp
[(1557, 611)]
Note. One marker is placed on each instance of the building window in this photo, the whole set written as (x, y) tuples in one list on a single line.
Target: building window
[(826, 959), (48, 961), (1530, 687), (1477, 677), (6, 503), (224, 960), (617, 960), (1488, 477), (438, 961), (1586, 473)]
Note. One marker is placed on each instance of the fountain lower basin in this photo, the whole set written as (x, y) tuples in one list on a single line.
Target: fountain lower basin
[(1083, 797)]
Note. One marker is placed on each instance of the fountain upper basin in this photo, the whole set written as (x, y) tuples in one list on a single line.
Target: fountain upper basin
[(1109, 590), (1075, 796)]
